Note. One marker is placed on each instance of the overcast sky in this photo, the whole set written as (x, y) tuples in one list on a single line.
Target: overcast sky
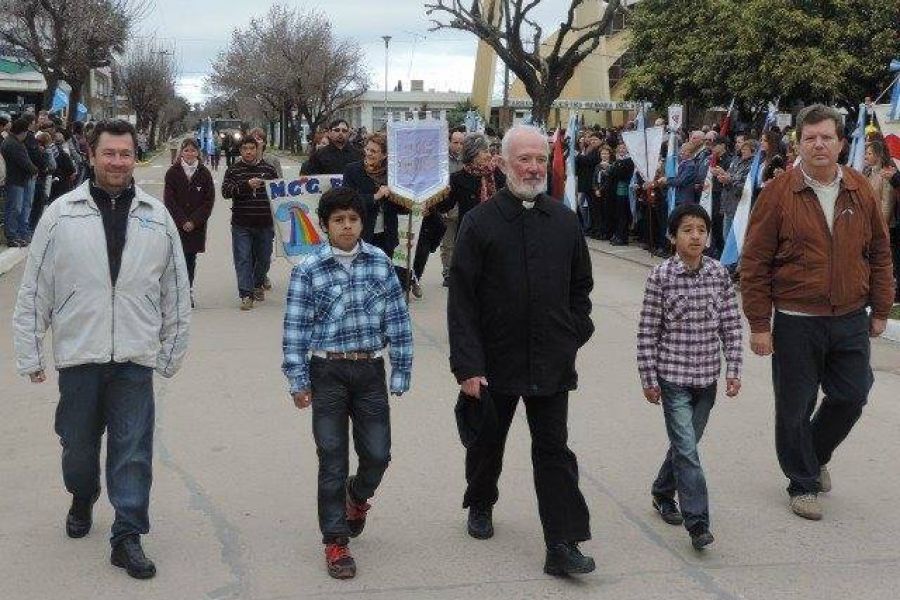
[(199, 29)]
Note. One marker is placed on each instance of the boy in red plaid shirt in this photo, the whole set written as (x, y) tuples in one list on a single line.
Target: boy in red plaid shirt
[(689, 313)]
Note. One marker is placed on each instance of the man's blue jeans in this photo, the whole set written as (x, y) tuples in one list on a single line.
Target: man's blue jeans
[(686, 411), (252, 249), (354, 391), (15, 194), (117, 397), (24, 225)]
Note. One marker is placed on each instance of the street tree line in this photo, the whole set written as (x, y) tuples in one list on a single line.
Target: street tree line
[(289, 62), (706, 52)]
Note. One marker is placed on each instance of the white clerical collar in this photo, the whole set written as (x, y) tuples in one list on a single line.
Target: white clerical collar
[(528, 204)]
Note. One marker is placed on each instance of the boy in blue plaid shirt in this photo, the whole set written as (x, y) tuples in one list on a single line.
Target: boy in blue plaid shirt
[(344, 306), (689, 316)]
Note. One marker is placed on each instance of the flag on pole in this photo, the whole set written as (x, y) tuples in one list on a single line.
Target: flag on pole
[(858, 145), (639, 125), (706, 194), (671, 168), (558, 167), (571, 191), (894, 114)]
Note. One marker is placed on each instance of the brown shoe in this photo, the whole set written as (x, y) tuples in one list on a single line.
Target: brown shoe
[(807, 506), (339, 561), (247, 303), (259, 294)]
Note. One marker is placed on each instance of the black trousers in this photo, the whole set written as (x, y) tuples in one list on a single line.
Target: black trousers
[(623, 218), (563, 511), (608, 216), (190, 260), (831, 352), (595, 207)]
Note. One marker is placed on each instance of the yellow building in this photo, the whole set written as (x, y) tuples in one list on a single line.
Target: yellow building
[(596, 90)]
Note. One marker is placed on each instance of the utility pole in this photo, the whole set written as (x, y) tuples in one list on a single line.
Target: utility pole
[(387, 42)]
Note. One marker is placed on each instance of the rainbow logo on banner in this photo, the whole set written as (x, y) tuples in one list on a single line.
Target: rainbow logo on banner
[(303, 234)]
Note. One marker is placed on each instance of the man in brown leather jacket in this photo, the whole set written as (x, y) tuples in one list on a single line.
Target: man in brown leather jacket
[(817, 252)]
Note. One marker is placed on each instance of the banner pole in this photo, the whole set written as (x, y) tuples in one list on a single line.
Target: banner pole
[(409, 238)]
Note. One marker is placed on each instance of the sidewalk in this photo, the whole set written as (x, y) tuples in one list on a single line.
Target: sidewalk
[(10, 257)]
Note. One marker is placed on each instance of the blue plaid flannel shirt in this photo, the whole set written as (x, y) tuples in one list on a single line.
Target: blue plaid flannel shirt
[(333, 310)]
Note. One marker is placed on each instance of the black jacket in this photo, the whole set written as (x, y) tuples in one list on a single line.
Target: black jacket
[(249, 207), (355, 177), (330, 160), (35, 153), (584, 170), (519, 305), (19, 168), (465, 192)]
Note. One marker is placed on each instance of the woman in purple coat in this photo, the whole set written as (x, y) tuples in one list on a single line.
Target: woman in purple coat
[(189, 195)]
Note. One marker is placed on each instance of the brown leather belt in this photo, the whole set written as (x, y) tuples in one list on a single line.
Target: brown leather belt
[(352, 355)]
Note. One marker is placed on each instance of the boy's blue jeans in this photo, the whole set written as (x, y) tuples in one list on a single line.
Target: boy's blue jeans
[(252, 250), (686, 411)]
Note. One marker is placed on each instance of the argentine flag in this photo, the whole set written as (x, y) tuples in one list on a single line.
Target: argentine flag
[(571, 193), (640, 125)]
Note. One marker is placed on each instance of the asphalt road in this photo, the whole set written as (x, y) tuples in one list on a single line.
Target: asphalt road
[(234, 497)]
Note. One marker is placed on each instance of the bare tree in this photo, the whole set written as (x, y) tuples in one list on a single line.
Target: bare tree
[(518, 40), (290, 60), (147, 76), (68, 38)]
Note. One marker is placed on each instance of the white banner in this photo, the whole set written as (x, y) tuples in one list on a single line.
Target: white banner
[(645, 152), (676, 112), (294, 204)]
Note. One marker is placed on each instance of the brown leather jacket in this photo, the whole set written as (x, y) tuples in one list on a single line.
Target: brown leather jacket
[(792, 261)]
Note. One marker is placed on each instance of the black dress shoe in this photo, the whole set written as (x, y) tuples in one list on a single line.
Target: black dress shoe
[(80, 517), (481, 525), (668, 510), (129, 555), (565, 558), (700, 536)]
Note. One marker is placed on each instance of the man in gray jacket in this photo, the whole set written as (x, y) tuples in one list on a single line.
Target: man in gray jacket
[(114, 321)]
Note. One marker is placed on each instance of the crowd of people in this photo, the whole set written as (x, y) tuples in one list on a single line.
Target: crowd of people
[(606, 181), (41, 160), (518, 271)]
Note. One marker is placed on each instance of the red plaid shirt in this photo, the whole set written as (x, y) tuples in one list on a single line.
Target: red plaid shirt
[(685, 317)]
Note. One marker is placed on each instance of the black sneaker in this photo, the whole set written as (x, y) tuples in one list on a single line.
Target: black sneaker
[(566, 559), (668, 510), (80, 516), (480, 524), (700, 536), (129, 555)]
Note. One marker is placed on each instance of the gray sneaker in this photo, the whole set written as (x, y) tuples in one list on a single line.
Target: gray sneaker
[(824, 480), (807, 506)]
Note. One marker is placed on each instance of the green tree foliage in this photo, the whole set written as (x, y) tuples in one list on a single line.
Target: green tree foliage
[(456, 116), (710, 51)]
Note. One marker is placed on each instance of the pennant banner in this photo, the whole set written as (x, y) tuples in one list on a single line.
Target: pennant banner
[(645, 152), (571, 189), (294, 204)]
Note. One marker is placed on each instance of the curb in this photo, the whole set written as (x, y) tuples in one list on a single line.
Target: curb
[(892, 332), (633, 254), (11, 257)]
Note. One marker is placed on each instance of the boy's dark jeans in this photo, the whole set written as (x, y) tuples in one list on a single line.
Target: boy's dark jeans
[(811, 351), (686, 410), (354, 390), (117, 397)]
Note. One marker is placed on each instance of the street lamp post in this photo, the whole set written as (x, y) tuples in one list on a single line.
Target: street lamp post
[(387, 41)]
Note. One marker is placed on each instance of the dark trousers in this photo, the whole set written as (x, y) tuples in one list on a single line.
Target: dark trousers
[(563, 511), (623, 218), (342, 391), (607, 216), (831, 352), (686, 410), (252, 249), (595, 207), (117, 397), (190, 259)]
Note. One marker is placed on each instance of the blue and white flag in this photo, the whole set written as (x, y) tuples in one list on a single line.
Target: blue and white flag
[(639, 125), (856, 158), (734, 243), (671, 168), (571, 194), (894, 114)]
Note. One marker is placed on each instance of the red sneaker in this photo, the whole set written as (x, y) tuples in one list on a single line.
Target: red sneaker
[(356, 513), (339, 561)]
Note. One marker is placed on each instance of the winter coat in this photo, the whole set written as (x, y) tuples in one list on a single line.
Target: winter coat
[(465, 192), (683, 182), (190, 201), (355, 177), (331, 160), (519, 306), (144, 318), (584, 170), (734, 188), (19, 167)]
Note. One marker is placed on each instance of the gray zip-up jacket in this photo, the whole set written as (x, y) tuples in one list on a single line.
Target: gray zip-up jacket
[(144, 318)]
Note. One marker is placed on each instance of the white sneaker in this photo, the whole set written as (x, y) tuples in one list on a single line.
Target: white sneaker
[(807, 506)]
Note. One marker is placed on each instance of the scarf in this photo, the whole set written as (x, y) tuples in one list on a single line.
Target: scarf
[(189, 170), (486, 174), (377, 173)]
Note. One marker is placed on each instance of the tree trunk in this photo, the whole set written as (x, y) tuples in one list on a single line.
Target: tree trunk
[(152, 134), (74, 98), (52, 84), (540, 109)]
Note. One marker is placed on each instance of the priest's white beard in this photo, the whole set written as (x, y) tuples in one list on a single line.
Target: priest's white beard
[(526, 189)]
